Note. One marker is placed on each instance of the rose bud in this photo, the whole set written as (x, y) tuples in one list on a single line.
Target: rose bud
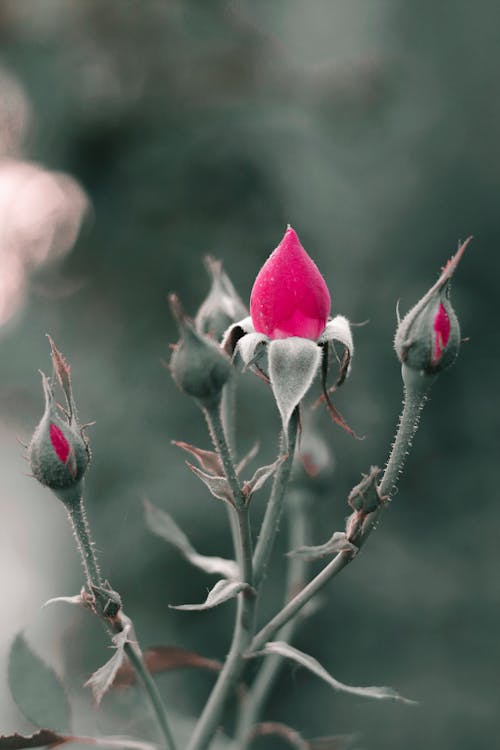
[(428, 338), (290, 296), (58, 452), (198, 365), (222, 305)]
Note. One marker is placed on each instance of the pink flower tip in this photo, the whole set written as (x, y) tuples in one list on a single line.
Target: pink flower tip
[(290, 296), (442, 329), (59, 443)]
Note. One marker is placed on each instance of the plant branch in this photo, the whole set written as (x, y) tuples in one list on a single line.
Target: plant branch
[(245, 613), (73, 501), (416, 389), (298, 535), (274, 507)]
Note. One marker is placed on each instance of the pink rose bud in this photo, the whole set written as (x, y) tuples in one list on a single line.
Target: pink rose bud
[(58, 451), (428, 338), (289, 296)]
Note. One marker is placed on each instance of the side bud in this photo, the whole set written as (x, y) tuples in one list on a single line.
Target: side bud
[(58, 452), (198, 365), (428, 337), (222, 307)]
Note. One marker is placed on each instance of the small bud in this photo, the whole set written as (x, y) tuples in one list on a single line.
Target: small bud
[(428, 338), (58, 452), (290, 296), (365, 496), (198, 365), (222, 305)]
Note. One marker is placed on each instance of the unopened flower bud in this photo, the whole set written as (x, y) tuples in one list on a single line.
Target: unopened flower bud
[(58, 452), (290, 296), (222, 305), (198, 365), (428, 338)]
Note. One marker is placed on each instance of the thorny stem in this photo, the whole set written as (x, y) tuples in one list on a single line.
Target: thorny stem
[(73, 501), (245, 613), (274, 506), (81, 530), (298, 535), (416, 388)]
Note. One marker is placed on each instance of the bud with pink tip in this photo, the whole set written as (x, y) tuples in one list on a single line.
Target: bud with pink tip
[(58, 452), (290, 297), (428, 338)]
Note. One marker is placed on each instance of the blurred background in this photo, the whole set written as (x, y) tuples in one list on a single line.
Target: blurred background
[(134, 139)]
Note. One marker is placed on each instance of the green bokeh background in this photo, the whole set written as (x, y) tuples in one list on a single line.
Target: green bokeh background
[(205, 127)]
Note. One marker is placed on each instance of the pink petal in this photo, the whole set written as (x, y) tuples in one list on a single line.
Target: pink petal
[(59, 442), (441, 331), (289, 296)]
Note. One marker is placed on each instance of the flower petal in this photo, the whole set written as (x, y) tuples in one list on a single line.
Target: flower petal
[(293, 363)]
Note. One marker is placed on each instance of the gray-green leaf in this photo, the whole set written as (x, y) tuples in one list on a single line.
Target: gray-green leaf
[(220, 593), (284, 649), (164, 526), (337, 543), (102, 679), (218, 486), (37, 689), (293, 363)]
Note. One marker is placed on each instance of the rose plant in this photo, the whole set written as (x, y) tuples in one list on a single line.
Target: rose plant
[(288, 340)]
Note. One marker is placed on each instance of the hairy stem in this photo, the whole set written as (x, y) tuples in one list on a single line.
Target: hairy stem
[(73, 501), (298, 535), (416, 389), (245, 613), (274, 507)]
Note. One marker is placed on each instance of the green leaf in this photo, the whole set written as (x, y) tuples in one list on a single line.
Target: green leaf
[(220, 593), (284, 649), (36, 688), (164, 526)]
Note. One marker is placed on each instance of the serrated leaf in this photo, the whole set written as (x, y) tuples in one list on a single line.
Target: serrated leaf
[(164, 659), (218, 486), (293, 363), (337, 543), (284, 649), (260, 478), (220, 593), (103, 678), (163, 525), (36, 689), (208, 460)]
